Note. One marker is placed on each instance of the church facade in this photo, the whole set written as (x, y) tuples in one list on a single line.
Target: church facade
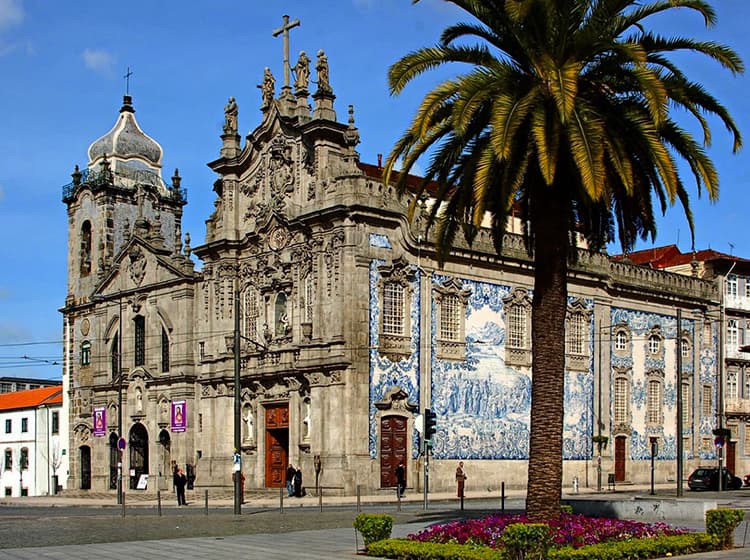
[(348, 328)]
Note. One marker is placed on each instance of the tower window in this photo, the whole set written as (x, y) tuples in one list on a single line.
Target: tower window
[(140, 340), (164, 350), (86, 248), (86, 353)]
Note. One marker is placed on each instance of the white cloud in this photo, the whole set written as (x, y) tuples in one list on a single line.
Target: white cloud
[(11, 13), (99, 61)]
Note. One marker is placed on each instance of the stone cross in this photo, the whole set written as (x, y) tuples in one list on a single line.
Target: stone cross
[(284, 29)]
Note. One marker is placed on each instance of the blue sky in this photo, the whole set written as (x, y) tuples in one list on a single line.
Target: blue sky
[(62, 67)]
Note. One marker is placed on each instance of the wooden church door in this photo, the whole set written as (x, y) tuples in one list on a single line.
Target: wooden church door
[(392, 448)]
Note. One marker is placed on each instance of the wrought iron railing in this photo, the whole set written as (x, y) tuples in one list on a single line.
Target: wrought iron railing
[(126, 178)]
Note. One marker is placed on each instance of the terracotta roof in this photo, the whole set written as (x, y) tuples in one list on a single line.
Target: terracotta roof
[(670, 255), (31, 398)]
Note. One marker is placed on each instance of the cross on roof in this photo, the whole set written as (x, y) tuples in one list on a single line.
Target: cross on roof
[(127, 81), (286, 26)]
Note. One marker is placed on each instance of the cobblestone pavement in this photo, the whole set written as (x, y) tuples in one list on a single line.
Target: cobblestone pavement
[(93, 526)]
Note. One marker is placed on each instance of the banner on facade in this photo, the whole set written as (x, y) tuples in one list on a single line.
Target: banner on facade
[(179, 416), (100, 422)]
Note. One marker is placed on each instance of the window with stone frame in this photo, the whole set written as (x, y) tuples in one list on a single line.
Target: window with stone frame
[(114, 355), (86, 353), (621, 399), (517, 311), (654, 397), (139, 324), (451, 300), (622, 341), (733, 334), (654, 342), (164, 350), (707, 445), (747, 438), (707, 401), (685, 349), (85, 248), (394, 295), (687, 405), (732, 391), (250, 313), (577, 327)]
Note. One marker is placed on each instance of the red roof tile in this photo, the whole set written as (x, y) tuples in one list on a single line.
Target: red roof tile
[(31, 398)]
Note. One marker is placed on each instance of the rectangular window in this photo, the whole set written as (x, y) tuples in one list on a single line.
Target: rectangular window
[(450, 318), (747, 439), (707, 445), (140, 340), (707, 401), (732, 386), (393, 309), (24, 458), (202, 351), (731, 285), (250, 315), (115, 355), (733, 340), (517, 326), (55, 423), (747, 287), (24, 425), (653, 404), (8, 459), (687, 405), (8, 425), (575, 335), (621, 400), (309, 296), (164, 350)]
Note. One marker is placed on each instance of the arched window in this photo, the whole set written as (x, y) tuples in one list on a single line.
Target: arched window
[(250, 313), (621, 341), (620, 399), (654, 344), (86, 248), (86, 353)]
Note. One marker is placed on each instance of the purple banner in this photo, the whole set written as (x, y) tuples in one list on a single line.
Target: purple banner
[(179, 416), (100, 422)]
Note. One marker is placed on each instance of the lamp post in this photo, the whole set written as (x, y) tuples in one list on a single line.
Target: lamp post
[(680, 405), (119, 402), (237, 466)]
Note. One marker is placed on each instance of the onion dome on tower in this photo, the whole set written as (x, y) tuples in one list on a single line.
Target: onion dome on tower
[(127, 151)]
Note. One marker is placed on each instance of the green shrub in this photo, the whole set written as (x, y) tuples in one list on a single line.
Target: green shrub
[(659, 547), (566, 508), (527, 541), (722, 523), (373, 527)]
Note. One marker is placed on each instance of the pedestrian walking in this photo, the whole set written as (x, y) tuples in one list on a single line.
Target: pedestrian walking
[(400, 479), (460, 479), (180, 480), (298, 483), (290, 472)]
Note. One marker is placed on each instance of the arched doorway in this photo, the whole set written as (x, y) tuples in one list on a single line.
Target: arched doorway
[(393, 442), (138, 454), (277, 445), (84, 455), (114, 458)]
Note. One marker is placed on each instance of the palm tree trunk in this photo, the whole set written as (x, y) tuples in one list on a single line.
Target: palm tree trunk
[(549, 212)]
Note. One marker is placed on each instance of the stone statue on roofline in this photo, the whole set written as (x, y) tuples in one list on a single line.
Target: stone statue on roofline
[(321, 66), (302, 72), (267, 88), (230, 117)]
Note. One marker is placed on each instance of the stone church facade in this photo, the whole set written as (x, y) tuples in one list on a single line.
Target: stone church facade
[(348, 327)]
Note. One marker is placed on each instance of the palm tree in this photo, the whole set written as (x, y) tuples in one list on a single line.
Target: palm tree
[(566, 115)]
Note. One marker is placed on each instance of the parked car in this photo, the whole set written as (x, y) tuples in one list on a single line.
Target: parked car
[(747, 480), (707, 478)]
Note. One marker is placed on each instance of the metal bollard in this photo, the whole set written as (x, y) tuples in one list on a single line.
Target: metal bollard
[(502, 496), (398, 499), (359, 498), (205, 496), (123, 504), (281, 500), (158, 503), (320, 497)]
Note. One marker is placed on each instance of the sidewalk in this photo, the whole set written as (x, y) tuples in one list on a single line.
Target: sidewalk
[(304, 544)]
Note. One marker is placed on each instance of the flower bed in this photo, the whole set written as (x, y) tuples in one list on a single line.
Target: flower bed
[(569, 530)]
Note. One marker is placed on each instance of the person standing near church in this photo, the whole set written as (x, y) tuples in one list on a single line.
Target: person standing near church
[(460, 479), (401, 479), (290, 472), (180, 480), (298, 483)]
